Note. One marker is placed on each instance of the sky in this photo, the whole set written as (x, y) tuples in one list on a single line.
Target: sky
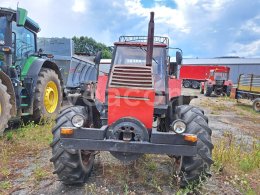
[(201, 28)]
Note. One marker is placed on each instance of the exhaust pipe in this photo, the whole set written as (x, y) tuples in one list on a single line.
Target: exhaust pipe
[(150, 39)]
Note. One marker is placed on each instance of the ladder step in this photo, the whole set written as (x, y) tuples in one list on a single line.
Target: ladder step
[(24, 105)]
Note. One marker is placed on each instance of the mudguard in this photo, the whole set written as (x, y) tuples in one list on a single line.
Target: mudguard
[(33, 66), (31, 70)]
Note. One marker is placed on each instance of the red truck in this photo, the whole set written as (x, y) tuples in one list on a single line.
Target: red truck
[(192, 75)]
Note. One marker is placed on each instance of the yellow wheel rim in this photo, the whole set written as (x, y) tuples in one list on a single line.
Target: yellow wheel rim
[(51, 97)]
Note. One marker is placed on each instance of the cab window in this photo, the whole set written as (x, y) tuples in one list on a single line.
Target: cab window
[(25, 42)]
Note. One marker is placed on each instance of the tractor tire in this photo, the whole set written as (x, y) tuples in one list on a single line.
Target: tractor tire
[(195, 84), (186, 83), (256, 105), (48, 95), (72, 166), (194, 168), (201, 89), (208, 90), (228, 91), (5, 108)]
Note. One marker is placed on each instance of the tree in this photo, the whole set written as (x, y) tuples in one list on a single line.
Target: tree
[(89, 46)]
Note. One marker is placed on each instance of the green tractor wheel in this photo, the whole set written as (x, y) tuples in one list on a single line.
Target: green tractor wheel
[(5, 108), (48, 95)]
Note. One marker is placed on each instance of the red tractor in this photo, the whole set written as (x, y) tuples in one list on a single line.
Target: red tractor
[(137, 109), (218, 82)]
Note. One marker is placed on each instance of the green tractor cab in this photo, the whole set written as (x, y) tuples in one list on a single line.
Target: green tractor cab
[(29, 84)]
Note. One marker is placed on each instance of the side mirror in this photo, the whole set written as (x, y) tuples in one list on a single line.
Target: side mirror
[(98, 58), (178, 57)]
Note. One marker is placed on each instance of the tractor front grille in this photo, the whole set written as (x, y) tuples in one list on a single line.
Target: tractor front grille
[(131, 76)]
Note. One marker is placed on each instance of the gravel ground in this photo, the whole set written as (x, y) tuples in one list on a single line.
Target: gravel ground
[(112, 177)]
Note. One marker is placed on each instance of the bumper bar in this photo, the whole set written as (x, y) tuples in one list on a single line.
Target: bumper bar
[(160, 143)]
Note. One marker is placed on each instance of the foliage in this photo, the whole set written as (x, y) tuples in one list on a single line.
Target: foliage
[(91, 47)]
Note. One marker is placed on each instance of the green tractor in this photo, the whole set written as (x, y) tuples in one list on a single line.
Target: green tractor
[(30, 82)]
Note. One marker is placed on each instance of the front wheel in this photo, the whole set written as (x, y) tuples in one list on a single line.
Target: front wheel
[(228, 91), (193, 168), (208, 90), (72, 166)]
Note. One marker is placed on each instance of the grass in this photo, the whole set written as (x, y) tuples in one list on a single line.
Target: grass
[(40, 173), (6, 185), (239, 162), (18, 144)]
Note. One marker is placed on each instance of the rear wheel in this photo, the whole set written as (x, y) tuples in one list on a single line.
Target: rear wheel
[(195, 84), (48, 96), (207, 89), (228, 91), (186, 83), (256, 105), (5, 108), (72, 166), (192, 169)]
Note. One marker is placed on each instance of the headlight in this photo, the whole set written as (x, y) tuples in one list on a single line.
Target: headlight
[(78, 120), (178, 126)]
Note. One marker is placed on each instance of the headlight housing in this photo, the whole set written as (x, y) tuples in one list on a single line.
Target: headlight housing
[(78, 120), (178, 126)]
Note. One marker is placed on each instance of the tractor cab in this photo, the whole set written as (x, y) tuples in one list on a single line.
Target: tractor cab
[(132, 51), (218, 74), (17, 36)]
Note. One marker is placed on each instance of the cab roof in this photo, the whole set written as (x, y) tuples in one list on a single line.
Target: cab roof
[(139, 44), (29, 23), (142, 41)]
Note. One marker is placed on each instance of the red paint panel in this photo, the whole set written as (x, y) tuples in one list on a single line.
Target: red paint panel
[(174, 87), (135, 103), (201, 73), (101, 88)]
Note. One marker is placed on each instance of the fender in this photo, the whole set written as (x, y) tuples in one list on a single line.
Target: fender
[(228, 83), (10, 90), (33, 66), (31, 70)]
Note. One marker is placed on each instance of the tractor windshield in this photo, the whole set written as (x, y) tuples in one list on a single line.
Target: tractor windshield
[(221, 76), (130, 55), (2, 30)]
